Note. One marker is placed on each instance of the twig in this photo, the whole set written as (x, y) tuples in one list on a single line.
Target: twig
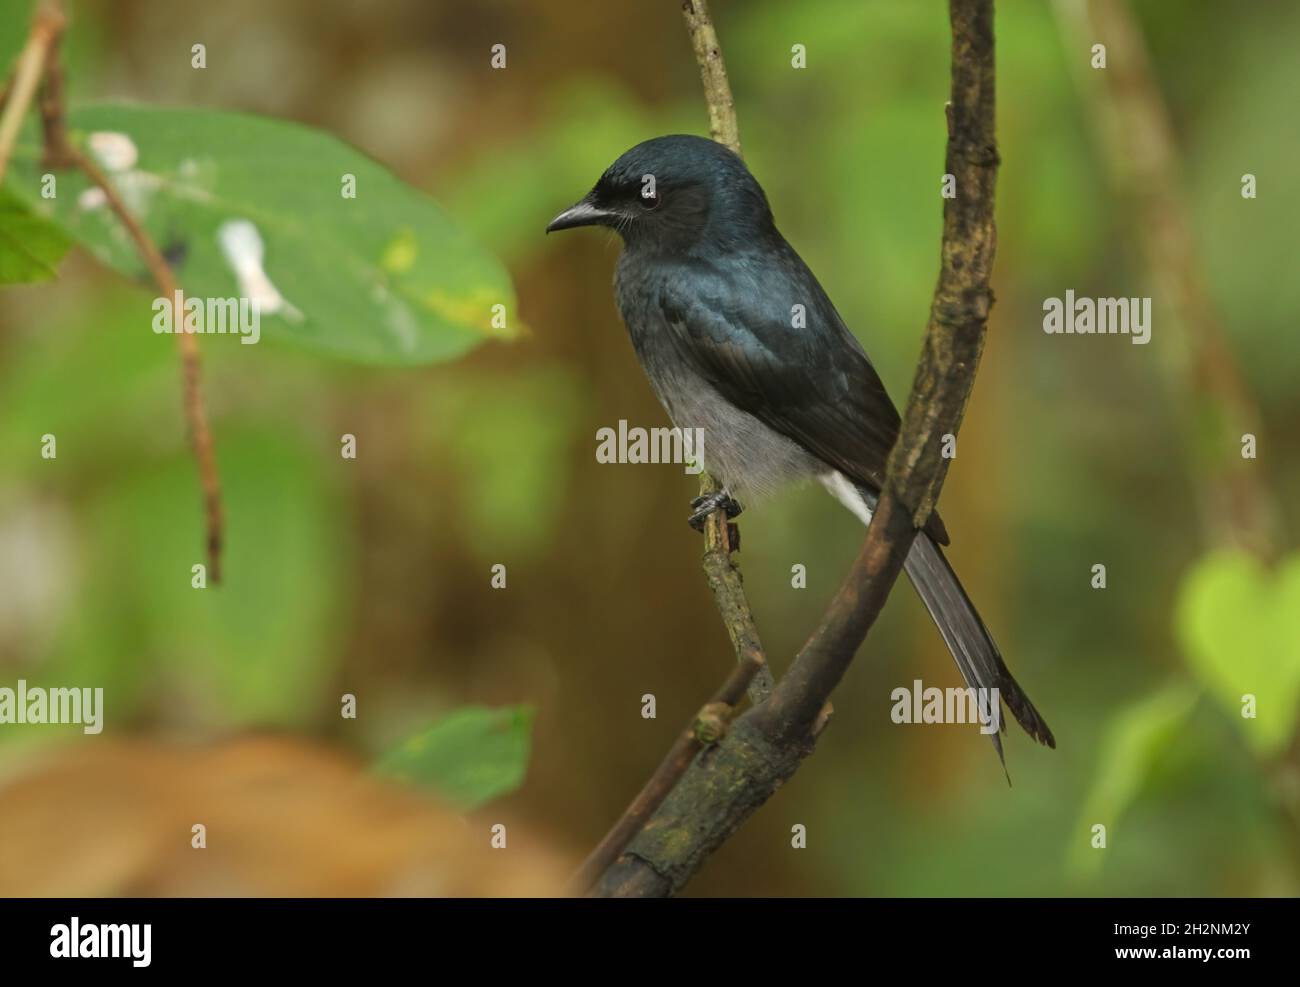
[(40, 65), (707, 727), (765, 746), (57, 152), (47, 24), (188, 344), (733, 606), (723, 127), (720, 536)]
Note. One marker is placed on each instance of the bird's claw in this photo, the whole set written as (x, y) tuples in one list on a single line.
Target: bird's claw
[(706, 504)]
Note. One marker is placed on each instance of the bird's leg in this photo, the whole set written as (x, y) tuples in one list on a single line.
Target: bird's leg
[(706, 504)]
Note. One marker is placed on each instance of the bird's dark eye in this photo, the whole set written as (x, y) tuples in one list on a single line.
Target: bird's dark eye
[(647, 196)]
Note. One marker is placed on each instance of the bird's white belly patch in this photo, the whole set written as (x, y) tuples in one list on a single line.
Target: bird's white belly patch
[(752, 460), (847, 494)]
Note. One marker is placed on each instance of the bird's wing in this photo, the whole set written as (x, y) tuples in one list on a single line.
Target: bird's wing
[(808, 378)]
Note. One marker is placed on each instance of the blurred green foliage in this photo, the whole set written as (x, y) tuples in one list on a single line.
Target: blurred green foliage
[(468, 757), (250, 647)]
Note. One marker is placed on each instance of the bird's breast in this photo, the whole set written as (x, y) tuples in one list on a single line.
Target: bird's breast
[(750, 458)]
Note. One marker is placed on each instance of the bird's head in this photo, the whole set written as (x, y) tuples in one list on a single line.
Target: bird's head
[(674, 193)]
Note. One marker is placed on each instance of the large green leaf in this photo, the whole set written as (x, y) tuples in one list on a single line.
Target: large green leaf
[(1239, 625), (384, 277), (30, 247), (469, 757)]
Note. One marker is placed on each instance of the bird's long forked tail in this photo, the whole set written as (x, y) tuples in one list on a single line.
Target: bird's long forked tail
[(968, 639)]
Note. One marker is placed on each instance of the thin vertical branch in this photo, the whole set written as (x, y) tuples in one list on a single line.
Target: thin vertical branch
[(47, 25), (721, 537), (723, 126), (188, 344)]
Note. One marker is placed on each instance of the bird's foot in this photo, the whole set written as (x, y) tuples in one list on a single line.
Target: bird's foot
[(706, 504)]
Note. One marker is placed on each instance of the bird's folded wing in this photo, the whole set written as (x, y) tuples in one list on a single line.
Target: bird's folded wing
[(800, 372)]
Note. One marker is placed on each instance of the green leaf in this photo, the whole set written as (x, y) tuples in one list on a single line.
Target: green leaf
[(1239, 625), (384, 277), (469, 757), (1132, 746), (30, 247)]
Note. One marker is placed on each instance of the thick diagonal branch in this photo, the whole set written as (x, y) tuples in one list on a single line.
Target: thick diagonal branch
[(708, 726), (729, 781), (945, 375)]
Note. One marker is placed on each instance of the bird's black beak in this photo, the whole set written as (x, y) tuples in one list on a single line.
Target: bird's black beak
[(582, 213)]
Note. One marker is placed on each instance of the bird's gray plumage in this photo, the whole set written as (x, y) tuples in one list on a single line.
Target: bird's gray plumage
[(739, 339)]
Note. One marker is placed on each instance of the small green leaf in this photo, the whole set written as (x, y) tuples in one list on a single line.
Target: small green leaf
[(469, 757), (30, 247), (253, 207), (1131, 747), (1239, 625)]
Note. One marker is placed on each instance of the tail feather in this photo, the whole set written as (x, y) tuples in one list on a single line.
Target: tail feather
[(941, 591), (967, 638)]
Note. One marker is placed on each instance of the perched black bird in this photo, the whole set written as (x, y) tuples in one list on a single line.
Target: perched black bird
[(739, 340)]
